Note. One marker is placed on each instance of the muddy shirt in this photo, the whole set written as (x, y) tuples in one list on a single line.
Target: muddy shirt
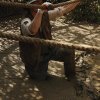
[(35, 52)]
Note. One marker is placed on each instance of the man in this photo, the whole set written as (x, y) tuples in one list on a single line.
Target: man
[(53, 14), (36, 56)]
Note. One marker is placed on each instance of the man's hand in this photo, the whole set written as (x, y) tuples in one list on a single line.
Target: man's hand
[(47, 6)]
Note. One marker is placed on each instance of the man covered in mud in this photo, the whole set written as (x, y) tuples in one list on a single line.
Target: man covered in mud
[(36, 56)]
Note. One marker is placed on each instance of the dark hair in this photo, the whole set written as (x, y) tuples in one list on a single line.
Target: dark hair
[(44, 0)]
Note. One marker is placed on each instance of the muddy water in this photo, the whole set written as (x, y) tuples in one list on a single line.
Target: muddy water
[(13, 77)]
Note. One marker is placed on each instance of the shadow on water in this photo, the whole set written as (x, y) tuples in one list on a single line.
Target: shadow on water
[(77, 33), (16, 85)]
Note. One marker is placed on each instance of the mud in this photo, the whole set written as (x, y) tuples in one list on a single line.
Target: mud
[(15, 83)]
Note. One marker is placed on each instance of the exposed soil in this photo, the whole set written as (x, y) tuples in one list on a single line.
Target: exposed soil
[(15, 83)]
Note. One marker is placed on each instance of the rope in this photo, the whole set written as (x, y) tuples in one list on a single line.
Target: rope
[(50, 42), (24, 5)]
